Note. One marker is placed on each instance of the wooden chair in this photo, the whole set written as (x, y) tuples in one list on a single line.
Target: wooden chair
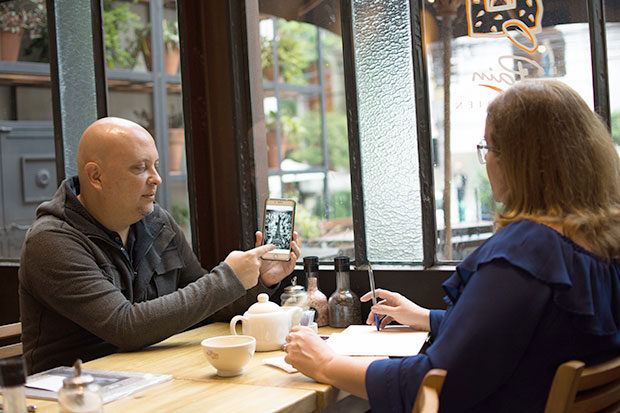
[(10, 331), (576, 388), (427, 400)]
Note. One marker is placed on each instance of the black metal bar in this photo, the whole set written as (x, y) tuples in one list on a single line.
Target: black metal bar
[(101, 83), (598, 46), (192, 195), (55, 87), (321, 74), (350, 82), (160, 100), (427, 185), (241, 15), (276, 93)]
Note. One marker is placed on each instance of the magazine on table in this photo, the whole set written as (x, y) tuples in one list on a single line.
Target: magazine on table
[(114, 384)]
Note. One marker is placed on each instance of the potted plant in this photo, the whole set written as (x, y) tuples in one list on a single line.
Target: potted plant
[(289, 126), (170, 32), (176, 141), (117, 21), (171, 46), (17, 17)]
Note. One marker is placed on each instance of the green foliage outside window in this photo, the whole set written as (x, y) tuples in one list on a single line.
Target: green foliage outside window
[(615, 127), (307, 143), (306, 224), (117, 21), (296, 51)]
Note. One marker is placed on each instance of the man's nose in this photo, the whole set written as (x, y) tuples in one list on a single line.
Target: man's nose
[(155, 179)]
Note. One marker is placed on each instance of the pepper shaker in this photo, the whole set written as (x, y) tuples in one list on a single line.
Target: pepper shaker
[(317, 300), (12, 380), (344, 305)]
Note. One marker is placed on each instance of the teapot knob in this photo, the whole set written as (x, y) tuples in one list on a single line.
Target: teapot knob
[(263, 298)]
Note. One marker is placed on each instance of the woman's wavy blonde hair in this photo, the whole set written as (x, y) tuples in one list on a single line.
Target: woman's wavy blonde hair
[(559, 163)]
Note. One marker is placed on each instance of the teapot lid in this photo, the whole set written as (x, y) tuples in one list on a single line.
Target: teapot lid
[(264, 305)]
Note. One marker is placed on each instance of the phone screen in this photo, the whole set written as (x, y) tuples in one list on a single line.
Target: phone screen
[(279, 220)]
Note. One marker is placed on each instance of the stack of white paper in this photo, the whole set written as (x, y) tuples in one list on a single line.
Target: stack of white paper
[(393, 340)]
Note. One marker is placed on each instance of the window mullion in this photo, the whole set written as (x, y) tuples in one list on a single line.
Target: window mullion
[(357, 195), (598, 45), (427, 185)]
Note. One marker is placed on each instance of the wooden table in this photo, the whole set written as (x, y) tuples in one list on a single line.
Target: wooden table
[(196, 387)]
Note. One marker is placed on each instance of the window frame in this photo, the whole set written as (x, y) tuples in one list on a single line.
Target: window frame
[(236, 39)]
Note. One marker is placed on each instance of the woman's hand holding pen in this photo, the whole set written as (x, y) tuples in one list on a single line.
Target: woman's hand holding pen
[(396, 307)]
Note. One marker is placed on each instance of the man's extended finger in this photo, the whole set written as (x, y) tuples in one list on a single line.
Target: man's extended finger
[(262, 250)]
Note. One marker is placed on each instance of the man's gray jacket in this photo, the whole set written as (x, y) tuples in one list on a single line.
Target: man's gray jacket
[(81, 297)]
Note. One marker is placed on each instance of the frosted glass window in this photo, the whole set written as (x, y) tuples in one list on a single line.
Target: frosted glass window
[(387, 125), (612, 13)]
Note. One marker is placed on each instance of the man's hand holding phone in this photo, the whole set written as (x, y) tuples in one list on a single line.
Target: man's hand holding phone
[(248, 265), (272, 272)]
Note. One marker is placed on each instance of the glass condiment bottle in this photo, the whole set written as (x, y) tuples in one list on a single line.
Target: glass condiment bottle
[(80, 394), (295, 295), (12, 380), (344, 305), (316, 299)]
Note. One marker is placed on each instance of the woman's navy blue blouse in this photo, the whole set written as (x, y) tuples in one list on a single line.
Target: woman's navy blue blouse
[(525, 301)]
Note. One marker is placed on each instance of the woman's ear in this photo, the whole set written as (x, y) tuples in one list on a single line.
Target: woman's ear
[(93, 174)]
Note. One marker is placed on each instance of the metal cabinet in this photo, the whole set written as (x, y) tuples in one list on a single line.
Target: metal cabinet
[(28, 177)]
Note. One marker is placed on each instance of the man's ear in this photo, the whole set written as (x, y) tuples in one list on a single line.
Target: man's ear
[(93, 174)]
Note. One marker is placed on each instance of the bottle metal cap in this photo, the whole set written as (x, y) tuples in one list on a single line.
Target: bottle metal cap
[(12, 372), (311, 264), (341, 263)]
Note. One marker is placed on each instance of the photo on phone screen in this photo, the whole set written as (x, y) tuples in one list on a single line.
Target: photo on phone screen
[(278, 227)]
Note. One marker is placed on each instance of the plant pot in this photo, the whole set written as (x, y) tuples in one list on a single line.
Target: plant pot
[(272, 149), (10, 44), (176, 146), (172, 59), (146, 52)]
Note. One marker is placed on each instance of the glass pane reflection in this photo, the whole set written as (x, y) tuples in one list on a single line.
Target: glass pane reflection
[(305, 114)]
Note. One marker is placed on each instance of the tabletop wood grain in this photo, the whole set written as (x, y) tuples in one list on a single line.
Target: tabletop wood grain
[(196, 387)]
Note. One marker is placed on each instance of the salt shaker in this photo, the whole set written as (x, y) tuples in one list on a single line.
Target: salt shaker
[(344, 305), (80, 394), (12, 380), (316, 299), (295, 295)]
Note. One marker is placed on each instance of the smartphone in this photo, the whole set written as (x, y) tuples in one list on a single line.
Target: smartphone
[(278, 224)]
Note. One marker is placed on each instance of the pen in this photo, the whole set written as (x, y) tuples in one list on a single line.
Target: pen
[(371, 278)]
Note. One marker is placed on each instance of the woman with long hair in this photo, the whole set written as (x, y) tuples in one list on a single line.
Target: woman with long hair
[(544, 289)]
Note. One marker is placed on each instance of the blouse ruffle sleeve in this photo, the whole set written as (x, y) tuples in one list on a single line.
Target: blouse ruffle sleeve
[(582, 283), (472, 341)]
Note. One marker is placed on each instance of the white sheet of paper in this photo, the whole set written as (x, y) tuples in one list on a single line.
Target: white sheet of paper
[(363, 340), (48, 382)]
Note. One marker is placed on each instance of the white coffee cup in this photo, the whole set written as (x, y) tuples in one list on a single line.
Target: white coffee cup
[(229, 354)]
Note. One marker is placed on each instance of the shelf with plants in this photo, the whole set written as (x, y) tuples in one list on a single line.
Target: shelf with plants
[(136, 33)]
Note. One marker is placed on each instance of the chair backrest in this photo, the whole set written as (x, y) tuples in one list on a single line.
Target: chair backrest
[(427, 400), (10, 331), (576, 388)]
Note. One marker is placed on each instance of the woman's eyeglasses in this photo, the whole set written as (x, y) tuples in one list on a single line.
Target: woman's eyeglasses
[(483, 149)]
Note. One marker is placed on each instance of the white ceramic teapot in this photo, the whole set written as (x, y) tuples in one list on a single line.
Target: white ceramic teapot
[(267, 322)]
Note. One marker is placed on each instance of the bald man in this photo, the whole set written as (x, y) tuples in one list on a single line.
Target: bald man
[(104, 268)]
